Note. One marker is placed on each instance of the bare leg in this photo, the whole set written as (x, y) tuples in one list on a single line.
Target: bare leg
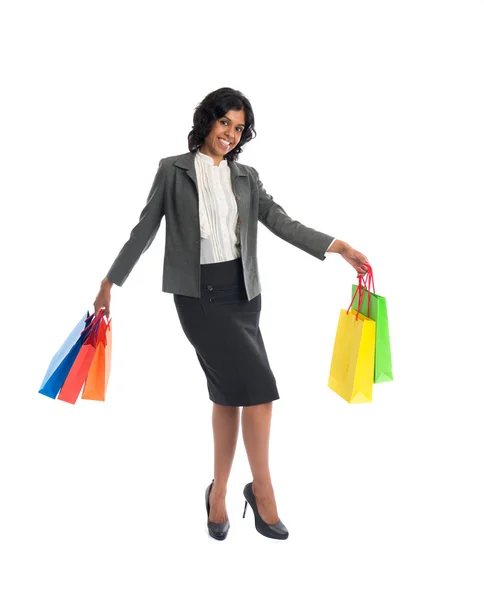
[(225, 424), (256, 426)]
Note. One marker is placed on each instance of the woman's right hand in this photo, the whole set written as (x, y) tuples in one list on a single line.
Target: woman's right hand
[(103, 298)]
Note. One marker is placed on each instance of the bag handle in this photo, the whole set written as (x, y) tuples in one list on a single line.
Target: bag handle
[(92, 321), (93, 336), (102, 338), (370, 279), (360, 289)]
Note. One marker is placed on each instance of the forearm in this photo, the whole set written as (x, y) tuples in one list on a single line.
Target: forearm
[(338, 246)]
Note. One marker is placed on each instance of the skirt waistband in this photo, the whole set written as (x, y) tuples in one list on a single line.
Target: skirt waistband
[(226, 273)]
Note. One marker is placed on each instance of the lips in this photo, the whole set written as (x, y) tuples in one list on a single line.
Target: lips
[(224, 143)]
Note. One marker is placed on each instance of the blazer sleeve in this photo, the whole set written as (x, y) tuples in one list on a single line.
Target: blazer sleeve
[(143, 234), (275, 218)]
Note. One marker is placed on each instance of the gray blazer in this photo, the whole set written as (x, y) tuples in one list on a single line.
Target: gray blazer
[(174, 194)]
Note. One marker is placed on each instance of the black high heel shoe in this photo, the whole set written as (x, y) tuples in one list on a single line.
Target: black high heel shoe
[(276, 531), (216, 530)]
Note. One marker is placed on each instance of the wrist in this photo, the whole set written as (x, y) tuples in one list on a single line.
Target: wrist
[(106, 283)]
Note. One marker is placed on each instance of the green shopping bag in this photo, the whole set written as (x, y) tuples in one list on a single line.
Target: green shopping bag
[(378, 313)]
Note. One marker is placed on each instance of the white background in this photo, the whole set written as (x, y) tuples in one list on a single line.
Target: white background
[(370, 124)]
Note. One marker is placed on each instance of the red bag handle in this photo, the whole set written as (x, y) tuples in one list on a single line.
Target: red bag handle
[(360, 289), (93, 320), (94, 325), (102, 337)]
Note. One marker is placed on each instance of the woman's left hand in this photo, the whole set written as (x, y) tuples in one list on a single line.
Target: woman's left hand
[(356, 259)]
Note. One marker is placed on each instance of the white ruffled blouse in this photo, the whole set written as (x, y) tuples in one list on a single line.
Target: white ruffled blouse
[(217, 210)]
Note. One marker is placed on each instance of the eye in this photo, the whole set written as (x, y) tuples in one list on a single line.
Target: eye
[(225, 121)]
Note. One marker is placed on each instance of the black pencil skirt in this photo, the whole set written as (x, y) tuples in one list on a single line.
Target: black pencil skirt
[(223, 328)]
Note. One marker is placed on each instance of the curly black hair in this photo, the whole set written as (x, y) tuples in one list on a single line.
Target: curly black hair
[(216, 105)]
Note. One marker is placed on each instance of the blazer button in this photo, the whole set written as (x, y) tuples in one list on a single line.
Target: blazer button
[(209, 287)]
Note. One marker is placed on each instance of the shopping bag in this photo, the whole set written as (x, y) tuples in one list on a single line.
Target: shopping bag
[(352, 362), (77, 375), (98, 377), (377, 312), (64, 358)]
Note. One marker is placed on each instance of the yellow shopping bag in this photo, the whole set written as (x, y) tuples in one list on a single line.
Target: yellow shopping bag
[(353, 360)]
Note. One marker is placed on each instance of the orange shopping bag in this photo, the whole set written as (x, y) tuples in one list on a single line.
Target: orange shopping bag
[(98, 376)]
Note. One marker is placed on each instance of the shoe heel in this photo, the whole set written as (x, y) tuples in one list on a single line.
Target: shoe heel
[(245, 508)]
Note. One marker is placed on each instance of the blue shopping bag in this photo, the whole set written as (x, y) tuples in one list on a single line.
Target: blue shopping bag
[(64, 358)]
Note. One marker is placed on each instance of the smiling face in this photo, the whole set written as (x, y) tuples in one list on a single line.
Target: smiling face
[(228, 127)]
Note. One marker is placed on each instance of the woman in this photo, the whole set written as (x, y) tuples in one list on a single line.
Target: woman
[(212, 206)]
